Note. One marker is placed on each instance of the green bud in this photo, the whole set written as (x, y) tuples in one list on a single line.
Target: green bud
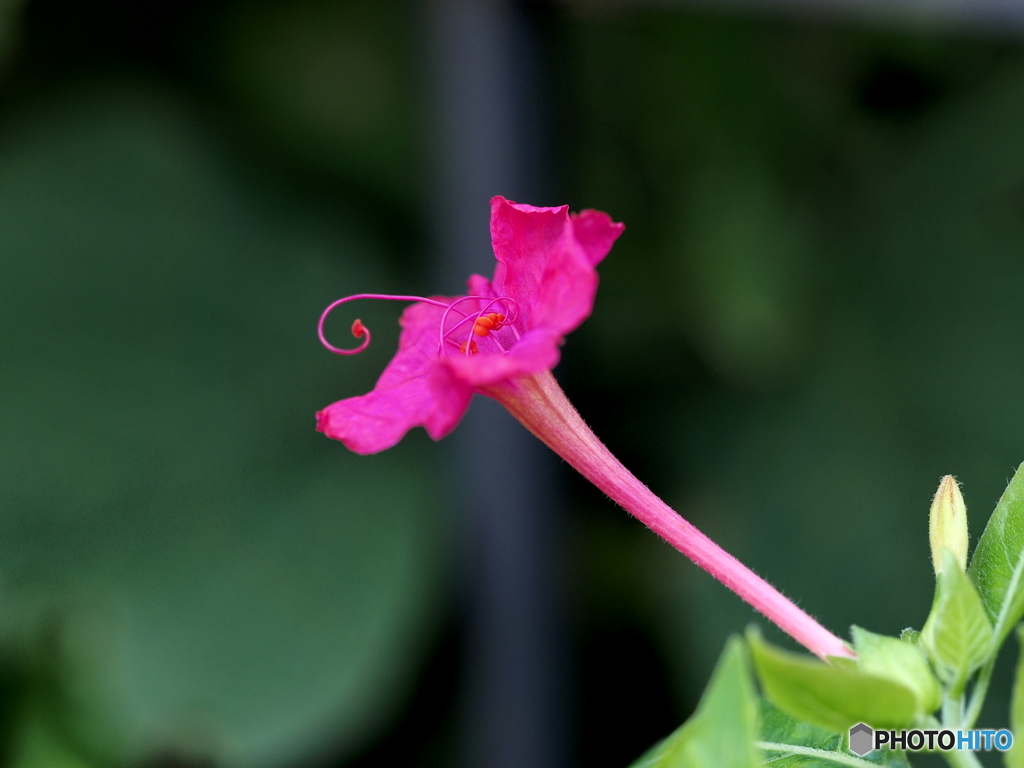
[(947, 524)]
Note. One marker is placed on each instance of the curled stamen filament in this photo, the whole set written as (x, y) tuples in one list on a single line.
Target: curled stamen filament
[(358, 329), (481, 323)]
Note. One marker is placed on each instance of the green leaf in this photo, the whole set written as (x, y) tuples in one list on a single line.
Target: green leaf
[(997, 568), (827, 696), (957, 635), (900, 661), (1015, 757), (722, 731), (777, 727), (843, 662)]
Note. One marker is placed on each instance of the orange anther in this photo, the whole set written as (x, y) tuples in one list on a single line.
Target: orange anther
[(472, 348), (358, 329), (487, 323)]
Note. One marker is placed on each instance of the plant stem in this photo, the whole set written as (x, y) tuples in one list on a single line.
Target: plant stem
[(952, 711), (953, 719), (980, 689), (540, 404)]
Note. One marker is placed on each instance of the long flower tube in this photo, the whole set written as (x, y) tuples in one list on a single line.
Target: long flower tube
[(502, 340), (539, 403)]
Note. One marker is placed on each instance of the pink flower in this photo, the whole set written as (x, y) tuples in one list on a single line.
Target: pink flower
[(502, 340), (544, 286)]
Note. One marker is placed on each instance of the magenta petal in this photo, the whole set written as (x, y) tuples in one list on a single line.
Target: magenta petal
[(480, 286), (523, 236), (405, 395), (568, 288), (537, 350), (596, 233), (545, 266)]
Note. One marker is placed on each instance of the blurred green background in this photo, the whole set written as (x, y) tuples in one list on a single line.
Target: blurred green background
[(814, 314)]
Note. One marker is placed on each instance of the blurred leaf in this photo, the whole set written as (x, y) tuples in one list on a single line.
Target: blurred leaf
[(901, 661), (329, 80), (997, 567), (239, 585), (39, 747), (827, 696), (722, 731), (957, 634), (843, 662)]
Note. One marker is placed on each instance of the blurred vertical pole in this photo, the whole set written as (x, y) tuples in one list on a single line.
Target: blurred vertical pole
[(489, 140)]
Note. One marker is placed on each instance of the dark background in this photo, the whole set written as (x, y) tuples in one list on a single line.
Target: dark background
[(814, 314)]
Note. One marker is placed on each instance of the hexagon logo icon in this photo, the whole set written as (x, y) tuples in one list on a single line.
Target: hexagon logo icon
[(861, 739)]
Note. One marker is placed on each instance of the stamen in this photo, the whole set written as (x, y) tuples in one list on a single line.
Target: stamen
[(358, 329), (480, 323), (487, 323)]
